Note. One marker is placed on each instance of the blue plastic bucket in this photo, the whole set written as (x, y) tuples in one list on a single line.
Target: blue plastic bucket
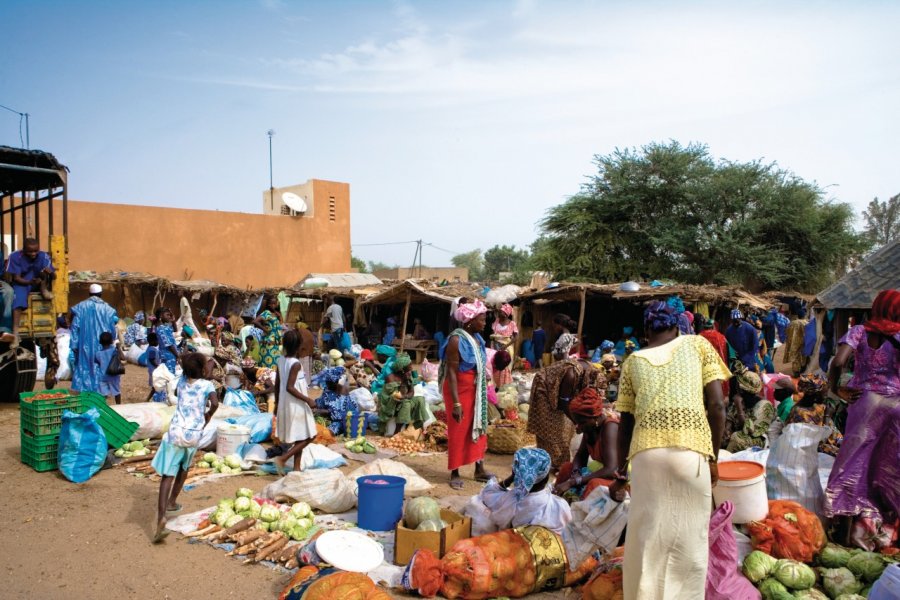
[(380, 505)]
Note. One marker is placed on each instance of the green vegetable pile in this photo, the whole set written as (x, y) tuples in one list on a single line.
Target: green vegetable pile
[(360, 445), (136, 448), (843, 574), (297, 523), (229, 464)]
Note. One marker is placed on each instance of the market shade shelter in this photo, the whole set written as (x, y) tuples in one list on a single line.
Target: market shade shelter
[(612, 308), (416, 299), (347, 289)]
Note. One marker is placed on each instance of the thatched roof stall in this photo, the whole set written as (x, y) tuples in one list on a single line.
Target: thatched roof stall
[(409, 300), (601, 310)]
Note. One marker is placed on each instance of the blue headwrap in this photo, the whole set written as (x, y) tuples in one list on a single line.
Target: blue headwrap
[(530, 465), (606, 346), (627, 330), (684, 325), (676, 303), (659, 316), (736, 314), (330, 375), (139, 316), (385, 350)]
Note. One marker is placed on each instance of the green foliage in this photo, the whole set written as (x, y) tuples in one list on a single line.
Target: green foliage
[(883, 220), (669, 211), (503, 259), (358, 264), (375, 265), (471, 260)]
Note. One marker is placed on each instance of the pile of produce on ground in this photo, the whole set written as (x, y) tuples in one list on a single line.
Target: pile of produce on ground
[(402, 445), (259, 529), (360, 446), (436, 436), (136, 448), (229, 464), (423, 514), (841, 574)]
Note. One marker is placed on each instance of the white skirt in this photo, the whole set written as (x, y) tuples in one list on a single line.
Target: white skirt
[(667, 540)]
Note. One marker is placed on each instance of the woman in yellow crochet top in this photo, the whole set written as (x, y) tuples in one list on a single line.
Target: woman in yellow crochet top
[(673, 415)]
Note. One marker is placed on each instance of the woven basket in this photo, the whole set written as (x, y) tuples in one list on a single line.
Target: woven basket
[(504, 440)]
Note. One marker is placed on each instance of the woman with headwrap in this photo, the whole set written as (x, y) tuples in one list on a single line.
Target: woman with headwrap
[(566, 342), (521, 499), (397, 401), (335, 401), (136, 333), (865, 482), (269, 321), (463, 379), (673, 416), (597, 458), (749, 415), (385, 355), (627, 336), (552, 389), (813, 408), (504, 336)]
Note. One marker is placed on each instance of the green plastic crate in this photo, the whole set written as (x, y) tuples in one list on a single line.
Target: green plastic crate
[(117, 428), (40, 451), (44, 417)]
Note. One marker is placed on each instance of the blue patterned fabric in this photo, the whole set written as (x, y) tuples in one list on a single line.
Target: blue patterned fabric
[(530, 465)]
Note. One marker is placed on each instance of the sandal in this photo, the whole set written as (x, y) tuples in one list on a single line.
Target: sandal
[(456, 484), (172, 511), (161, 532), (484, 477)]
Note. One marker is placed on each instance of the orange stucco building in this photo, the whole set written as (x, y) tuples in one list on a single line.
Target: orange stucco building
[(240, 249)]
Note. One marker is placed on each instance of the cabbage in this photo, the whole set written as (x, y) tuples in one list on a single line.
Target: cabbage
[(233, 461), (297, 533), (127, 454), (301, 509), (227, 503), (262, 525), (867, 566), (772, 589), (223, 468), (839, 581), (334, 354), (758, 565), (794, 574), (202, 465), (233, 520), (810, 594), (850, 597), (236, 471), (833, 556), (430, 525), (221, 515), (119, 452), (244, 493), (254, 509), (287, 522), (242, 504), (211, 457), (420, 509), (304, 523), (269, 513)]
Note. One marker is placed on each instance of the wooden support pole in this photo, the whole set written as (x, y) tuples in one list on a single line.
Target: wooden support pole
[(581, 313), (405, 317)]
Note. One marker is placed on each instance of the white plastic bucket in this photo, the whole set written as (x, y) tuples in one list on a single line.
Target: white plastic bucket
[(229, 438), (748, 495)]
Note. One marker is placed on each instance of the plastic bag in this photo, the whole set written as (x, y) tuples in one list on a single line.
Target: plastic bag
[(134, 353), (512, 563), (242, 400), (429, 371), (723, 579), (63, 342), (364, 399), (792, 468), (319, 457), (152, 418), (82, 445), (888, 585), (327, 490), (415, 485), (788, 531), (164, 379), (597, 523)]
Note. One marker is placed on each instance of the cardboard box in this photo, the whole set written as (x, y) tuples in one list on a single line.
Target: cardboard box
[(440, 542)]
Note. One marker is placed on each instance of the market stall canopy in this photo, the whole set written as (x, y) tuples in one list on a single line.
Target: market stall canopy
[(338, 280), (711, 294), (422, 292), (858, 288), (194, 286), (29, 170)]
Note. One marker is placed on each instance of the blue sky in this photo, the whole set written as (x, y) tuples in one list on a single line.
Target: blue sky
[(456, 122)]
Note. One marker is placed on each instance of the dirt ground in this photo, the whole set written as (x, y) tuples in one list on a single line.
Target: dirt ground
[(92, 540)]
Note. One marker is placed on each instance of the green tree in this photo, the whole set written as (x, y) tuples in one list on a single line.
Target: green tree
[(471, 260), (670, 211), (503, 259), (358, 264), (375, 265), (883, 220)]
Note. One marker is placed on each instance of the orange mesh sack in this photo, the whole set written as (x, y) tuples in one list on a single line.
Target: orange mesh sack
[(788, 531), (511, 563), (310, 583), (606, 582)]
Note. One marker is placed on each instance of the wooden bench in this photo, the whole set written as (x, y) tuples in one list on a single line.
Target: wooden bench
[(422, 348)]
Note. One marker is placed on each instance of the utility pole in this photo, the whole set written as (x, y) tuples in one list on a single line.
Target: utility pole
[(27, 126), (270, 133)]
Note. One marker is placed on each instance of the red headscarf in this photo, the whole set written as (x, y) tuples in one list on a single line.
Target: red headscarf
[(588, 403), (885, 317)]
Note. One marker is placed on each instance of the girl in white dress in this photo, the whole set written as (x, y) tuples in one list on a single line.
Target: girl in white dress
[(294, 423)]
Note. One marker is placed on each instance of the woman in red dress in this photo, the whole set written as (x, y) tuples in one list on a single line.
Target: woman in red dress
[(465, 393)]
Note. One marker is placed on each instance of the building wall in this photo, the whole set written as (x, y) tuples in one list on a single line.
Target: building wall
[(240, 249), (448, 273)]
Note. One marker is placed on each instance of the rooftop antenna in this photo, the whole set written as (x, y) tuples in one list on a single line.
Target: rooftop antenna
[(22, 115), (270, 133)]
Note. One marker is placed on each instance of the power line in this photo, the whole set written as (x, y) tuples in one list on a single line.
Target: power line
[(27, 140), (442, 249), (387, 243)]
